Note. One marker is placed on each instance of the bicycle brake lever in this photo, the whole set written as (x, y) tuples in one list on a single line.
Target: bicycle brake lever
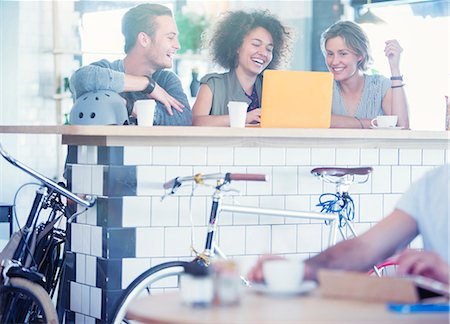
[(165, 195), (231, 190)]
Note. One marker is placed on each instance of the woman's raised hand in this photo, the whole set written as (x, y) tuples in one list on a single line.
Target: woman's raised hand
[(393, 52)]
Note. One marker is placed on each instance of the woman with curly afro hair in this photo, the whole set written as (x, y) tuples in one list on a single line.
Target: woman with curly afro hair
[(244, 43)]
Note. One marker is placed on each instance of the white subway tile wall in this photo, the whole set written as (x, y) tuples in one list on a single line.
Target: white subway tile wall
[(137, 155), (273, 156), (75, 297), (389, 202), (242, 218), (257, 239), (96, 302), (284, 239), (133, 267), (410, 157), (369, 157), (220, 156), (80, 271), (86, 239), (91, 270), (347, 156), (193, 155), (323, 156), (97, 180), (136, 211), (401, 178), (166, 155), (163, 228), (433, 157), (148, 242), (96, 241), (85, 299), (177, 242), (298, 156), (388, 156)]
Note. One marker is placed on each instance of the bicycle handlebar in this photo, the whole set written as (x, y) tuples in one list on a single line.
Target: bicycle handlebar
[(246, 177), (89, 202), (198, 178)]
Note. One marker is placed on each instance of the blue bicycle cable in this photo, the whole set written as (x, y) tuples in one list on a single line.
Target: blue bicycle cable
[(343, 205)]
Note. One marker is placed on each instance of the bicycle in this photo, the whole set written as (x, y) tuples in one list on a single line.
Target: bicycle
[(33, 260), (333, 217)]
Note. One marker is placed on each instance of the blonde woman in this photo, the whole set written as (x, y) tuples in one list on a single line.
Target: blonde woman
[(358, 97)]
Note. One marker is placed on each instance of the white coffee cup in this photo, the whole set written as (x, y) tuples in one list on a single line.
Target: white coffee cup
[(283, 276), (145, 111), (387, 121), (238, 113)]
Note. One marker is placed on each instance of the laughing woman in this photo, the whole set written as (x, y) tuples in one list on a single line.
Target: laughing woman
[(245, 44), (358, 97)]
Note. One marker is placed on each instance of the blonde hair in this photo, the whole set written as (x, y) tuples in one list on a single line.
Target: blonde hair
[(355, 38)]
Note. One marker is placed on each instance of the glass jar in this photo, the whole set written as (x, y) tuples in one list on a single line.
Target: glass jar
[(196, 285), (227, 283)]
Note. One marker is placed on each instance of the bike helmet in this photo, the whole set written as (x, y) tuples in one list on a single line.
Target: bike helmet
[(101, 107)]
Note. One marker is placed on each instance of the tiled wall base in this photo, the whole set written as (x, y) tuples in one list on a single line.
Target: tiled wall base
[(131, 229)]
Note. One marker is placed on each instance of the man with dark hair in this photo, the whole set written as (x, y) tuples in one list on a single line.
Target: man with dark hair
[(151, 41)]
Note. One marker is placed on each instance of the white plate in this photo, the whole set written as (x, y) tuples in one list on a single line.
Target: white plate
[(305, 287), (388, 128)]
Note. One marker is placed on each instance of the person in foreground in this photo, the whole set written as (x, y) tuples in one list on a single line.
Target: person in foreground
[(151, 41), (359, 97), (245, 44), (424, 209)]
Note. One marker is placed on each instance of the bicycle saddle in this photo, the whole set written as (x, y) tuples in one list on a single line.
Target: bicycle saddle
[(340, 172)]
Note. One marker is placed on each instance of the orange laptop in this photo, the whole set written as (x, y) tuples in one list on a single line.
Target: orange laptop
[(296, 99)]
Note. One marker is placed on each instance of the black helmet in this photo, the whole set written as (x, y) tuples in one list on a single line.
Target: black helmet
[(101, 107)]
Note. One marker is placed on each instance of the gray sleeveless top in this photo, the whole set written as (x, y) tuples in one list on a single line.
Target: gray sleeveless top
[(225, 87), (375, 88)]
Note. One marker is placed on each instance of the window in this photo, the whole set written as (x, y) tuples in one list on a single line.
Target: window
[(423, 31)]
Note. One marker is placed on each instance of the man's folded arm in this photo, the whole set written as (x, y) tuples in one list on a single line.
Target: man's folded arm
[(93, 77)]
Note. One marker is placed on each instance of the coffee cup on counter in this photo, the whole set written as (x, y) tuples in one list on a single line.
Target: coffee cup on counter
[(237, 111), (282, 275), (386, 121), (145, 111)]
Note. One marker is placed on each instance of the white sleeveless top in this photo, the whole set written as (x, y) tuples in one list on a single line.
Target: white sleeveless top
[(375, 88)]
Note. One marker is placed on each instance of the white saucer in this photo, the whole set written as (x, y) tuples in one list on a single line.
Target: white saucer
[(388, 128), (305, 287)]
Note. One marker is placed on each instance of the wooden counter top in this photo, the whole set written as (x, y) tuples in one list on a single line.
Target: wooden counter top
[(225, 136)]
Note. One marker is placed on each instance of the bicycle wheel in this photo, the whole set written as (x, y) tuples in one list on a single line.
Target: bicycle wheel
[(23, 301), (144, 284)]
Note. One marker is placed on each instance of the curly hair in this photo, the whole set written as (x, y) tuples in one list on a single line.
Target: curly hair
[(141, 19), (355, 38), (228, 34)]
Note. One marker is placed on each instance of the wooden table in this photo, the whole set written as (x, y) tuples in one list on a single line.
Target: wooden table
[(258, 308)]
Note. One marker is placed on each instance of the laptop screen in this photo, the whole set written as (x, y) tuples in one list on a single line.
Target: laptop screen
[(296, 99)]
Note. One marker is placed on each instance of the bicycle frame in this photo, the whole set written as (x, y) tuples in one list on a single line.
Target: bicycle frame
[(217, 207), (47, 196), (211, 248), (88, 202)]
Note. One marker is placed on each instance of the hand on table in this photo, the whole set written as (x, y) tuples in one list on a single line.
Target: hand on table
[(253, 116), (424, 263)]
